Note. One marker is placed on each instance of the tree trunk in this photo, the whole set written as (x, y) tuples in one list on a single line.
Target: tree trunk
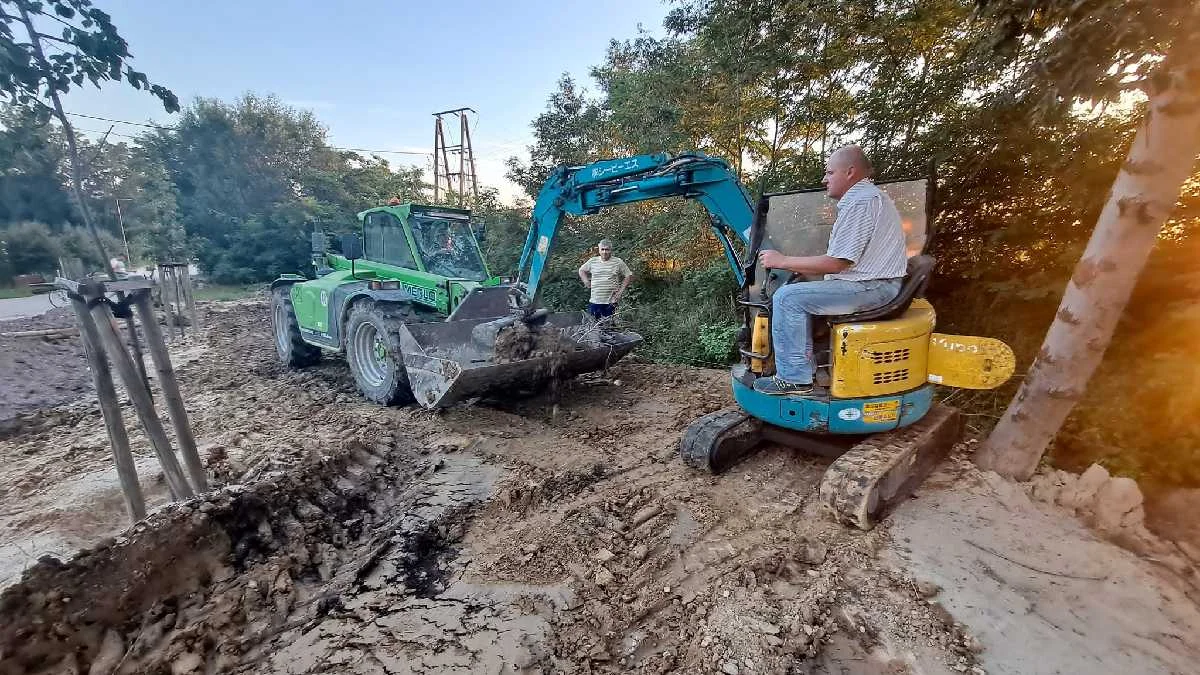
[(69, 133), (1142, 198)]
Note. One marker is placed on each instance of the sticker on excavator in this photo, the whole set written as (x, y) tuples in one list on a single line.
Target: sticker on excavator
[(881, 411), (969, 362)]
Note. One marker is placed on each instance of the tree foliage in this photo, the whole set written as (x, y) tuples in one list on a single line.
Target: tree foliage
[(1062, 52), (254, 178), (85, 47), (35, 248), (1063, 49), (238, 186)]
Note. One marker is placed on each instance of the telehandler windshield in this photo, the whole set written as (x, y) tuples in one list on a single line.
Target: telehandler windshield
[(448, 248)]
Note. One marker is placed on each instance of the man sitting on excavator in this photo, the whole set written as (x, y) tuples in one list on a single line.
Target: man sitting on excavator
[(864, 266)]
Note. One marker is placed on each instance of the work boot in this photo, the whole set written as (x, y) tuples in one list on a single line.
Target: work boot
[(776, 386)]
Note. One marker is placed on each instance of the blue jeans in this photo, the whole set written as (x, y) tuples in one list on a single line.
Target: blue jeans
[(794, 304)]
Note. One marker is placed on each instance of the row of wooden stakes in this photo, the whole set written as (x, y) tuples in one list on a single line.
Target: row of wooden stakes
[(97, 314)]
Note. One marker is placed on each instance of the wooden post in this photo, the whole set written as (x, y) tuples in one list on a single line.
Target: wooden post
[(180, 306), (142, 402), (135, 345), (170, 389), (173, 321), (191, 299), (71, 268), (106, 393), (165, 297)]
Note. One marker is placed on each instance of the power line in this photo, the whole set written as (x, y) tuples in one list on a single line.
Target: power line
[(394, 152), (136, 124), (110, 133), (159, 126)]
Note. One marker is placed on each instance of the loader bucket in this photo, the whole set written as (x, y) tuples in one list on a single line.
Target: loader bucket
[(450, 361)]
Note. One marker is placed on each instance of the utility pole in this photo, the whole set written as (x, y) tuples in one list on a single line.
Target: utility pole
[(446, 181), (121, 222)]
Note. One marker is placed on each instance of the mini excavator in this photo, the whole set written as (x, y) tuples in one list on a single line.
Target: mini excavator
[(874, 412)]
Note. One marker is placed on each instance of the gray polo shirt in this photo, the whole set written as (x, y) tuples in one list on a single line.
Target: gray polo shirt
[(867, 232)]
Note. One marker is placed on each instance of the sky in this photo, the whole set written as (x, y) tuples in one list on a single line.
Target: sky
[(372, 72)]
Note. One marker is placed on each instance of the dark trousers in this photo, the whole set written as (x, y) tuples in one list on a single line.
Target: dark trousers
[(601, 311)]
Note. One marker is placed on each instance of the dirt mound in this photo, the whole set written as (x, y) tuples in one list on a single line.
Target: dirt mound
[(1113, 507), (519, 341)]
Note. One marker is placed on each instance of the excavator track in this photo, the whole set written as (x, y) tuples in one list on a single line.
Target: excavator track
[(719, 440), (869, 479)]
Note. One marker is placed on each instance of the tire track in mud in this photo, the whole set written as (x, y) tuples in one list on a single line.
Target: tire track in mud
[(675, 572)]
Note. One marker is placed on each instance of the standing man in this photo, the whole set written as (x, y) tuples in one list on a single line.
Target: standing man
[(863, 267), (608, 277)]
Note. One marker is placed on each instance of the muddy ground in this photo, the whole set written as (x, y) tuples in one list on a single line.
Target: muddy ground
[(39, 372), (558, 533)]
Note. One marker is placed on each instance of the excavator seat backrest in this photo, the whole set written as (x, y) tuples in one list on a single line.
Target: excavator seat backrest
[(920, 269)]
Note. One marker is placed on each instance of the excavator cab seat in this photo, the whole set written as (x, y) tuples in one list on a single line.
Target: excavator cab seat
[(920, 269), (916, 280)]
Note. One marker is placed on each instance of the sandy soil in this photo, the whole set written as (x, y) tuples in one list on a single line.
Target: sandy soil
[(558, 533)]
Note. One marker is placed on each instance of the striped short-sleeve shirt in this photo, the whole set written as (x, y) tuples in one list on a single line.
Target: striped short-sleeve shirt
[(867, 232), (607, 276)]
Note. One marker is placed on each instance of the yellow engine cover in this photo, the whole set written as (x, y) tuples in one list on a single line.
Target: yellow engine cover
[(877, 358)]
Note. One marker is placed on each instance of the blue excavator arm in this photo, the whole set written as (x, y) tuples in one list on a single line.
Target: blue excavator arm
[(585, 190)]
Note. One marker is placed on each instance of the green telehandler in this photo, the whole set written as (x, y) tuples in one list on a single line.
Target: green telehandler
[(411, 303)]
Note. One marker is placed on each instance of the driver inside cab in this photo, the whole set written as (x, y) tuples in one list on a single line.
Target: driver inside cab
[(863, 268)]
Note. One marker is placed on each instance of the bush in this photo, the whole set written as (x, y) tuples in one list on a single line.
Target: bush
[(35, 248), (28, 248), (688, 317), (719, 341), (261, 250), (77, 243)]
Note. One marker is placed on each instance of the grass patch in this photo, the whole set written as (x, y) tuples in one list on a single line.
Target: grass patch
[(16, 292), (220, 292)]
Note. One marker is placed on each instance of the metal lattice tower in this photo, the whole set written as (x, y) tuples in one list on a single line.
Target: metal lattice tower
[(445, 181)]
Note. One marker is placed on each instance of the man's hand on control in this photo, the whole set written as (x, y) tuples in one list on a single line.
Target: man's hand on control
[(772, 259)]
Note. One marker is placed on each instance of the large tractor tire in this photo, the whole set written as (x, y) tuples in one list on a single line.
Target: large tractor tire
[(293, 351), (374, 354)]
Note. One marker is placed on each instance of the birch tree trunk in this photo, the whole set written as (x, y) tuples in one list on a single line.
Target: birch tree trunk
[(1162, 156)]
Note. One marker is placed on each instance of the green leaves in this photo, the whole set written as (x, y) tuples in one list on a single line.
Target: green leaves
[(254, 178), (89, 50), (1064, 49)]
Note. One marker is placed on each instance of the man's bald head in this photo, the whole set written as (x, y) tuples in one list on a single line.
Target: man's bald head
[(852, 156), (845, 167)]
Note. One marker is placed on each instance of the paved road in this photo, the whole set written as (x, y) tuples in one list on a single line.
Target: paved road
[(16, 308)]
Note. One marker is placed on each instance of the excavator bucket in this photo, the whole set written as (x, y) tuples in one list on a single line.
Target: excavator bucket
[(455, 360)]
